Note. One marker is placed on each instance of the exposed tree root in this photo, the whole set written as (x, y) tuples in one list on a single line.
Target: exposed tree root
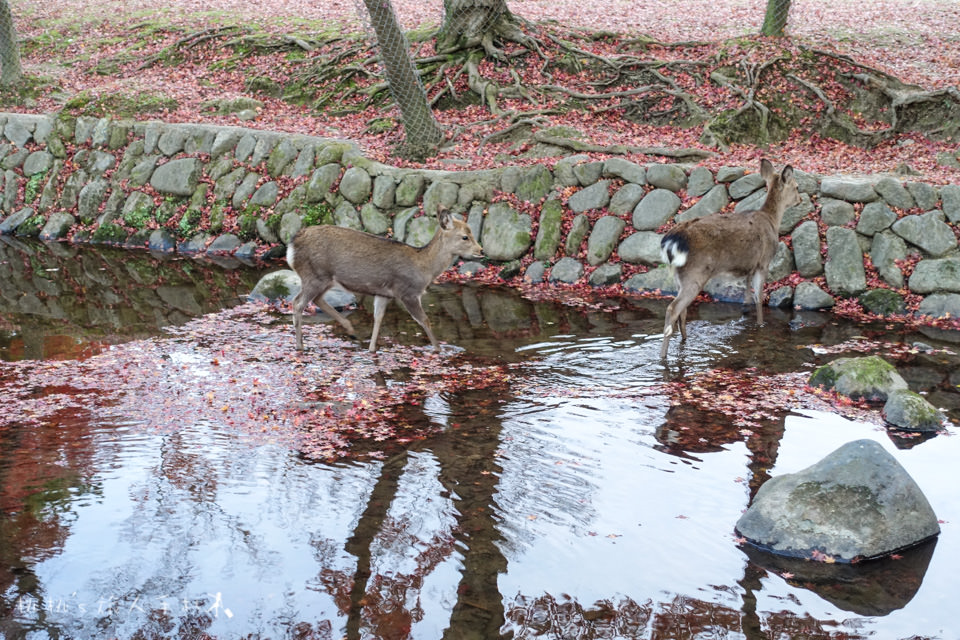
[(520, 73), (620, 149)]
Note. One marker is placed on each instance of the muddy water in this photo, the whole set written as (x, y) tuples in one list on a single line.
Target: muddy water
[(554, 508)]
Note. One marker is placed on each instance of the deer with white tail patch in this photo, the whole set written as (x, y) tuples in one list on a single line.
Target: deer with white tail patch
[(739, 244), (327, 256)]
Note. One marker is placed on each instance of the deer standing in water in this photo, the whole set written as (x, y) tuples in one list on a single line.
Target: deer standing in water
[(740, 244), (326, 256)]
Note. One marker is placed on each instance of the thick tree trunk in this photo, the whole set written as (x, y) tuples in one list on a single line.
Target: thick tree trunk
[(775, 20), (10, 70), (468, 23), (423, 134)]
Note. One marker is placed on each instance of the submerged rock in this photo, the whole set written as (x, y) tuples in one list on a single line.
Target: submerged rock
[(909, 411), (856, 503)]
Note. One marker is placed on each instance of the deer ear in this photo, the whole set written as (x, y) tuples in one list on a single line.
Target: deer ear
[(766, 169), (444, 218), (787, 173)]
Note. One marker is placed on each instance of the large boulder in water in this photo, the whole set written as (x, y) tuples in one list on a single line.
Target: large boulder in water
[(856, 503), (871, 378)]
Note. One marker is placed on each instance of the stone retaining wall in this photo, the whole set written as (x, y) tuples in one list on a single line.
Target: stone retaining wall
[(243, 192)]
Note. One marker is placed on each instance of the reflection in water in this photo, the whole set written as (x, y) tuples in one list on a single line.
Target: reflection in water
[(575, 502)]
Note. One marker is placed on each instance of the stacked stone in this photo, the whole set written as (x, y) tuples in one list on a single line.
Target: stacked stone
[(230, 190)]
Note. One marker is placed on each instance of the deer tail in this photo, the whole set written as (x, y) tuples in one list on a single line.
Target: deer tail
[(674, 249)]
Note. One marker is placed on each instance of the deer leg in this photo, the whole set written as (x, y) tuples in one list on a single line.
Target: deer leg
[(336, 315), (415, 308), (758, 279), (309, 290), (379, 308), (677, 313)]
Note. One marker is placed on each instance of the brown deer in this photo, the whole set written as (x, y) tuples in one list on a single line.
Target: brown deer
[(326, 256), (740, 244)]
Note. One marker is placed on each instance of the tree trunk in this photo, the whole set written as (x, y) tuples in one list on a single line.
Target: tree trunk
[(422, 132), (468, 23), (10, 70), (775, 20)]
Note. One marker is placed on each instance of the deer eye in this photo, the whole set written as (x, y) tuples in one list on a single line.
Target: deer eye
[(464, 237)]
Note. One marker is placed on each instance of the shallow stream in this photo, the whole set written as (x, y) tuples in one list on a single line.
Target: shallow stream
[(565, 504)]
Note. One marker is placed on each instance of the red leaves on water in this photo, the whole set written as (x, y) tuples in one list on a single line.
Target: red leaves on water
[(238, 369)]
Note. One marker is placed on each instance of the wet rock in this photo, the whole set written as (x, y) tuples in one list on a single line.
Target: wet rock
[(550, 231), (605, 274), (9, 224), (194, 244), (844, 268), (856, 503), (894, 193), (940, 305), (659, 279), (806, 249), (506, 233), (848, 189), (715, 200), (58, 225), (596, 196), (656, 208), (909, 411), (629, 171), (642, 247), (666, 176), (782, 264), (227, 243), (279, 285), (871, 378), (808, 295), (535, 272), (567, 270), (162, 240), (781, 298), (927, 231), (356, 185), (941, 274), (177, 177), (603, 239), (883, 302)]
